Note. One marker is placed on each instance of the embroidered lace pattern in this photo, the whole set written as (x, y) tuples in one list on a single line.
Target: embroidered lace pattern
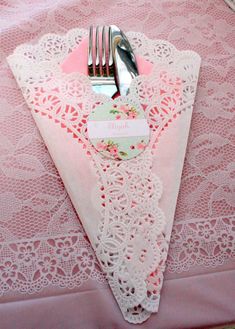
[(206, 27), (200, 242), (130, 244)]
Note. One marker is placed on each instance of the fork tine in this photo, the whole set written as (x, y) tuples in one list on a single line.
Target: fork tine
[(90, 53), (110, 58), (104, 66), (97, 52)]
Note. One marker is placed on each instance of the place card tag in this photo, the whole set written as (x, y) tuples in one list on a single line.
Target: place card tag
[(118, 130)]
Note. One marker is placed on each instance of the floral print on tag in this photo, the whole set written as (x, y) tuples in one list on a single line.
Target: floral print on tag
[(124, 112), (119, 148)]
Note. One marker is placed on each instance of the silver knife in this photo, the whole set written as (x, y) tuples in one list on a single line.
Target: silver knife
[(124, 60)]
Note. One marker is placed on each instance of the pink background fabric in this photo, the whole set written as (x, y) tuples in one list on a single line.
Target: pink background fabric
[(36, 215)]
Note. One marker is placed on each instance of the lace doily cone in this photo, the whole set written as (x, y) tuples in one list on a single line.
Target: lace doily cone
[(117, 201)]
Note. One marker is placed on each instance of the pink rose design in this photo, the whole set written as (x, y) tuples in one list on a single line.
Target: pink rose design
[(124, 108), (141, 146), (101, 146), (113, 150), (118, 117), (132, 115)]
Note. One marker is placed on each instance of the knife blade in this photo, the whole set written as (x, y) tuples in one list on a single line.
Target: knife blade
[(124, 60)]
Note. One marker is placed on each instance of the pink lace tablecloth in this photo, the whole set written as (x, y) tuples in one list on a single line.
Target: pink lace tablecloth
[(49, 277)]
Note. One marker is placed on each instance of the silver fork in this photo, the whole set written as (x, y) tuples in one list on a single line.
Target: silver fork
[(101, 70)]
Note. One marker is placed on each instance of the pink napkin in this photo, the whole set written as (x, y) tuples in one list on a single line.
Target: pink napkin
[(126, 207)]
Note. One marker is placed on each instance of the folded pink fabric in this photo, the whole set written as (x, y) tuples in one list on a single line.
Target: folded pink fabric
[(126, 207)]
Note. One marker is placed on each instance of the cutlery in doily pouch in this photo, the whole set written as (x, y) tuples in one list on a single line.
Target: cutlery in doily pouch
[(123, 184)]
